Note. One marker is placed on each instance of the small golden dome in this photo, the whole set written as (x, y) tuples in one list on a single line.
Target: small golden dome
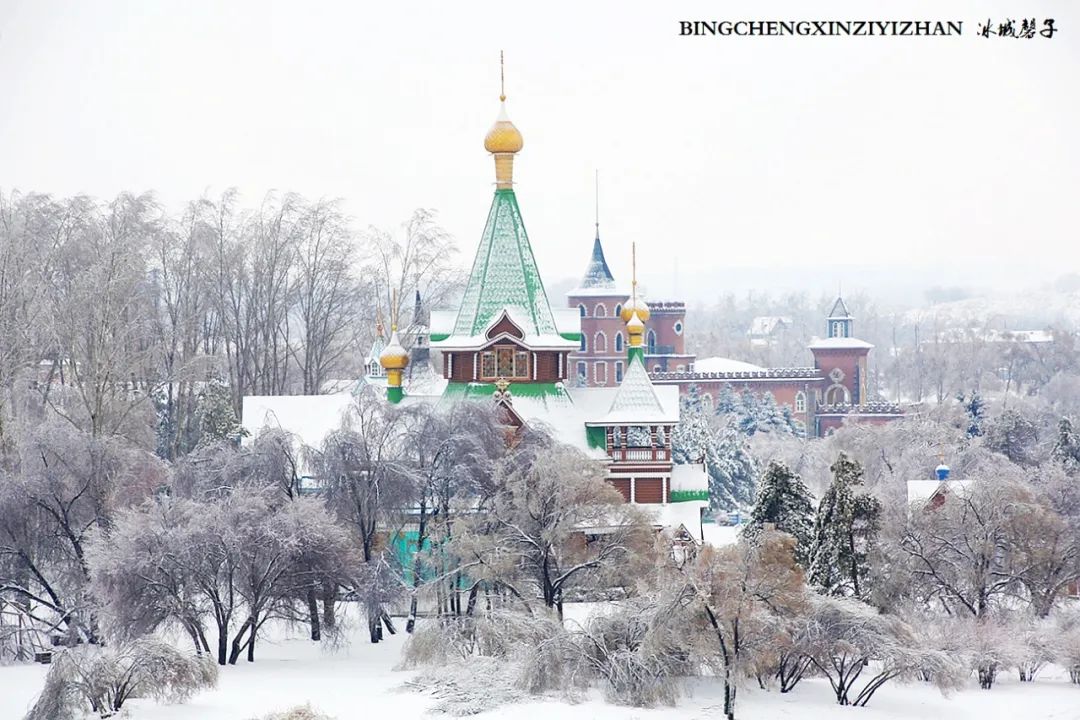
[(503, 137), (394, 356), (635, 306), (634, 325)]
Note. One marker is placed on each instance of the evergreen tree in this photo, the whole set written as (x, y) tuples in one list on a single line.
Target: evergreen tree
[(794, 425), (845, 529), (1014, 436), (784, 501), (748, 412), (217, 421), (725, 401), (1067, 449), (770, 416), (726, 454), (975, 407)]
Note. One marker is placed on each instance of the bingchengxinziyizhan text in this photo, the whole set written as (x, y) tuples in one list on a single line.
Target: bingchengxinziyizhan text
[(1026, 28)]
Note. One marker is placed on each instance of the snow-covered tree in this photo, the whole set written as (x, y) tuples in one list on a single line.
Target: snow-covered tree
[(738, 590), (847, 640), (1014, 435), (726, 402), (102, 679), (726, 453), (216, 417), (785, 504), (1067, 448), (845, 529), (528, 539)]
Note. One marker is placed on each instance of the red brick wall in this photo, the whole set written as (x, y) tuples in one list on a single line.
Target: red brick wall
[(847, 360), (609, 325)]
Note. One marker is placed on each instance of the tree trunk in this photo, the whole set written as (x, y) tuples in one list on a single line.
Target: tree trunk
[(238, 642), (313, 614), (329, 598)]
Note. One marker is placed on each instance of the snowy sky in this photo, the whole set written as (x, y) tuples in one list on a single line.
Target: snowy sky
[(783, 161)]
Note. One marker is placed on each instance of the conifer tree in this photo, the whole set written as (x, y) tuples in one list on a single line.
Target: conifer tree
[(748, 413), (725, 401), (784, 501), (1067, 448), (217, 421), (845, 529)]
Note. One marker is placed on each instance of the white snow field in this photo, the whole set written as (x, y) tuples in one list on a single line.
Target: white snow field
[(359, 683)]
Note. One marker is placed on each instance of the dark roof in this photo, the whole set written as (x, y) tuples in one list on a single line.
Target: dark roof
[(839, 309), (597, 274)]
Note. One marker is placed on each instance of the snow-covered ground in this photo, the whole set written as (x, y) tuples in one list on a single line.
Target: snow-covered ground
[(359, 683)]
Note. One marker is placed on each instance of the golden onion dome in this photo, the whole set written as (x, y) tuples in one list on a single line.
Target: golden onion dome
[(394, 356), (503, 137), (634, 325), (634, 306)]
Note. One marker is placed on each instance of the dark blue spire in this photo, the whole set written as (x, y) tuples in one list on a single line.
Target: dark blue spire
[(597, 274)]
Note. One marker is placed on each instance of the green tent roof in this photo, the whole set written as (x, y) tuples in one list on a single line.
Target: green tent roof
[(504, 276)]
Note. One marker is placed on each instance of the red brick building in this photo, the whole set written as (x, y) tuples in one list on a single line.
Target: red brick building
[(821, 397)]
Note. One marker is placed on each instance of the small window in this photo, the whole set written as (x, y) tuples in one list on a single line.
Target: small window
[(650, 342), (582, 373), (800, 402), (600, 310), (601, 373), (584, 344), (618, 372), (678, 327), (618, 342), (504, 363), (581, 310), (618, 310), (600, 343)]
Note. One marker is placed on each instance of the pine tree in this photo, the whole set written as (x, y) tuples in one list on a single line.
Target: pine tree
[(1067, 448), (784, 501), (975, 407), (217, 421), (725, 401), (770, 416), (726, 454), (749, 415), (845, 529)]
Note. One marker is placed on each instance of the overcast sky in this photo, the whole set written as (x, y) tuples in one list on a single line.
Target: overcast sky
[(730, 161)]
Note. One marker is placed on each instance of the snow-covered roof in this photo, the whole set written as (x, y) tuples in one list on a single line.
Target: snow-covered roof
[(504, 277), (636, 401), (309, 417), (723, 364), (839, 310), (767, 324), (839, 343), (920, 491), (691, 476), (597, 274)]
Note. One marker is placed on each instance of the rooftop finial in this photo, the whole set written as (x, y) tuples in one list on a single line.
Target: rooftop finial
[(393, 310), (633, 271), (633, 306), (597, 183), (502, 78)]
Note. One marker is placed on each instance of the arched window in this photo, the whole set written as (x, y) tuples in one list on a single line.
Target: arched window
[(836, 395), (581, 310), (618, 372), (618, 309), (600, 310), (618, 342), (800, 402), (650, 342), (584, 344), (600, 343)]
